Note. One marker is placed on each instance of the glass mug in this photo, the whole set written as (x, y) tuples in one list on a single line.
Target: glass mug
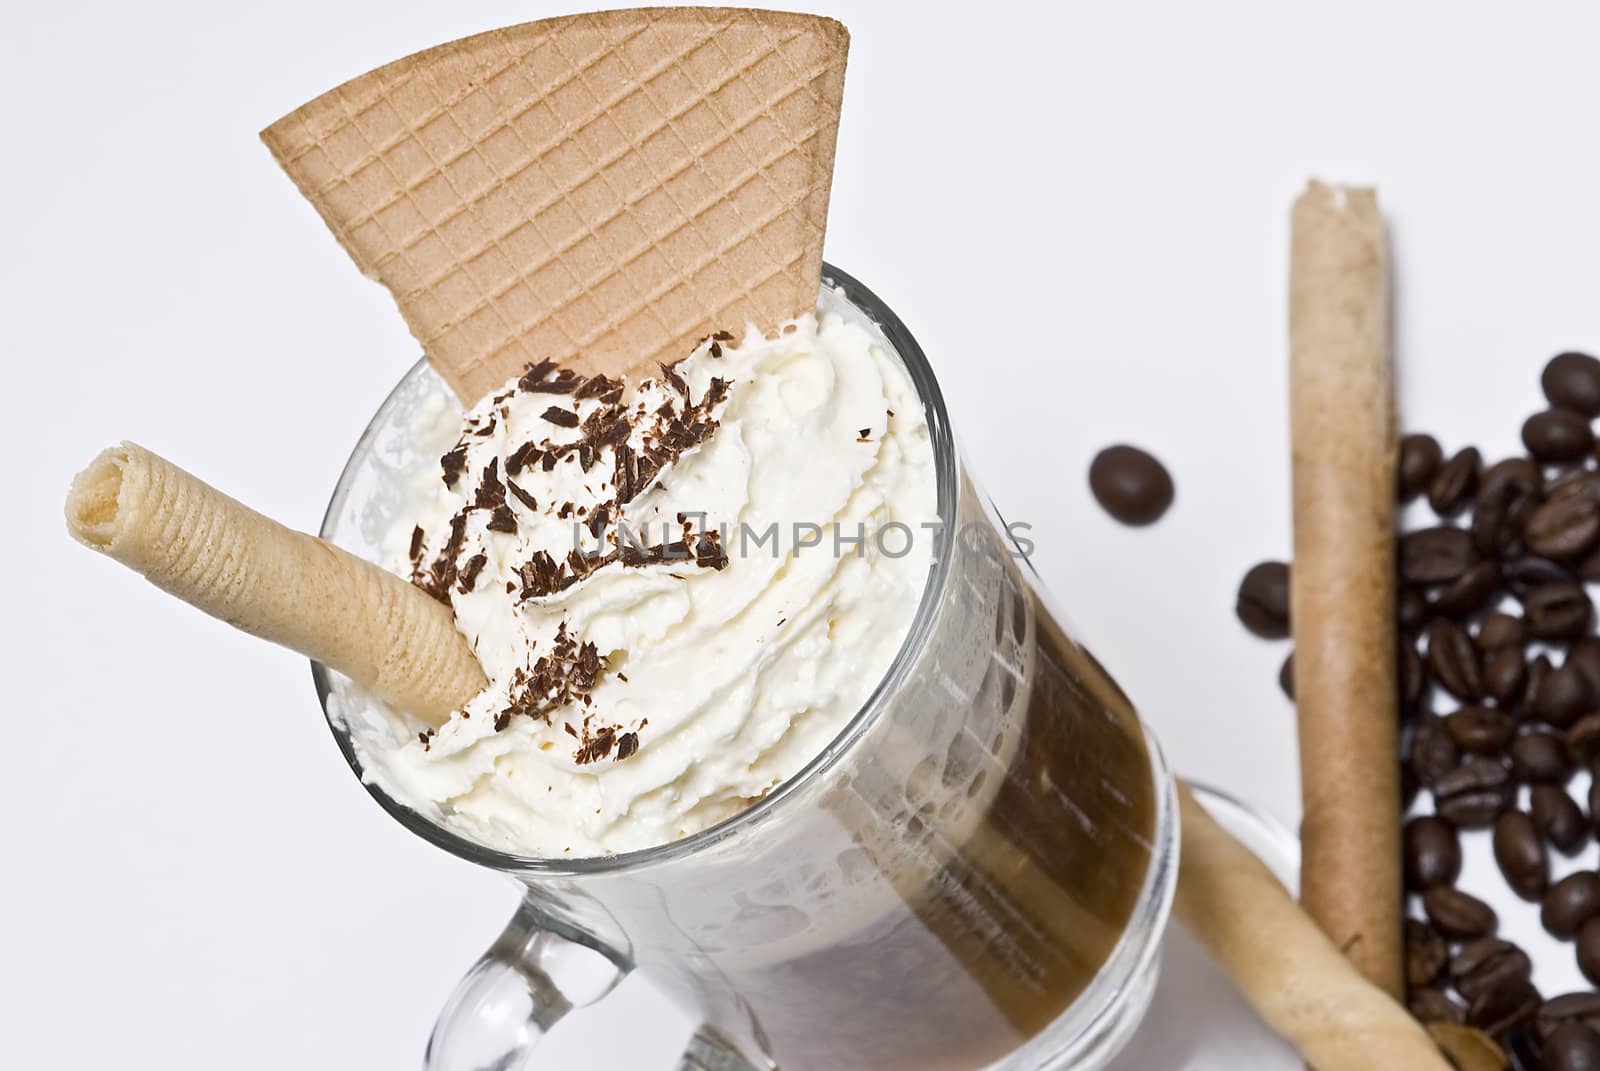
[(975, 874)]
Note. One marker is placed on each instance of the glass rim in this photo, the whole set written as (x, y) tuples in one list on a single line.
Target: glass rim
[(945, 477)]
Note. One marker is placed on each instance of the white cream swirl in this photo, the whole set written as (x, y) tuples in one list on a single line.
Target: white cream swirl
[(713, 684)]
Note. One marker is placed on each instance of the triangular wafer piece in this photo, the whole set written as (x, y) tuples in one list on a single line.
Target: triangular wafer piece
[(604, 189)]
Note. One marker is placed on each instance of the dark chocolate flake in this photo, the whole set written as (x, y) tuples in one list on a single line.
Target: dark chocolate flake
[(522, 496), (417, 537), (453, 462), (627, 745), (561, 418), (503, 520), (470, 571)]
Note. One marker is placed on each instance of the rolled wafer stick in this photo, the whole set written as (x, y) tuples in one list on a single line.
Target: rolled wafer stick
[(189, 539), (1342, 589), (1287, 968)]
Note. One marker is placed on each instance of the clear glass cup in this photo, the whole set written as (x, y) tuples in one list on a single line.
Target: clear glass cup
[(975, 874)]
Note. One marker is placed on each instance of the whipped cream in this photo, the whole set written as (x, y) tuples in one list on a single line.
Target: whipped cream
[(681, 589)]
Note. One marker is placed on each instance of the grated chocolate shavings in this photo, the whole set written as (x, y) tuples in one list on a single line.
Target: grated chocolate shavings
[(522, 456), (470, 571), (628, 743), (522, 496), (453, 462), (561, 418), (503, 520), (417, 537)]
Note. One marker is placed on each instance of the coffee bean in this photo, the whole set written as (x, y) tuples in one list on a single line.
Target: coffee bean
[(1570, 903), (1481, 730), (1572, 381), (1474, 775), (1524, 571), (1504, 1007), (1428, 1005), (1433, 754), (1563, 696), (1468, 592), (1540, 757), (1589, 950), (1458, 915), (1411, 610), (1263, 601), (1486, 955), (1413, 677), (1557, 611), (1474, 810), (1435, 555), (1453, 657), (1504, 671), (1569, 1007), (1426, 953), (1558, 818), (1539, 671), (1130, 484), (1584, 656), (1521, 854), (1455, 481), (1519, 476), (1499, 630), (1489, 525), (1563, 528), (1571, 1046), (1557, 435), (1432, 852), (1420, 458), (1286, 676), (1583, 738)]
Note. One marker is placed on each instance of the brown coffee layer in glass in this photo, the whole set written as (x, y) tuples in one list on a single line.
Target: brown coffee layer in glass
[(1018, 916)]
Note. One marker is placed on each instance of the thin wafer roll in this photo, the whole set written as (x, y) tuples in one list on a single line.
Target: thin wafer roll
[(1343, 424), (1284, 965), (216, 554)]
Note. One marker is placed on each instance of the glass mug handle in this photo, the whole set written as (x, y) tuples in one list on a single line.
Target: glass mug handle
[(535, 973)]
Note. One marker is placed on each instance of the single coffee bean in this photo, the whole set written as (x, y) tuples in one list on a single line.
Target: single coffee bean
[(1413, 677), (1518, 475), (1581, 483), (1583, 738), (1432, 853), (1263, 601), (1563, 528), (1572, 1046), (1572, 381), (1468, 592), (1455, 481), (1504, 1007), (1540, 757), (1428, 1005), (1458, 915), (1420, 458), (1563, 695), (1589, 950), (1426, 953), (1474, 810), (1479, 954), (1558, 818), (1584, 656), (1520, 851), (1570, 903), (1524, 571), (1435, 555), (1474, 775), (1557, 435), (1481, 730), (1504, 671), (1433, 754), (1539, 671), (1569, 1007), (1453, 657), (1411, 609), (1558, 611), (1286, 676), (1489, 525), (1130, 484), (1498, 630)]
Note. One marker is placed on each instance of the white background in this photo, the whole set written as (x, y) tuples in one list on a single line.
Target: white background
[(1080, 209)]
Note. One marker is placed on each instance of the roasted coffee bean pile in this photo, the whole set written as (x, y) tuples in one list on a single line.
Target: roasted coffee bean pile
[(1499, 692)]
